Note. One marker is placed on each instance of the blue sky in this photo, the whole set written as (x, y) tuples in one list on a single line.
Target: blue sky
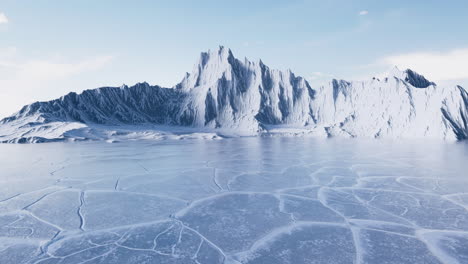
[(48, 48)]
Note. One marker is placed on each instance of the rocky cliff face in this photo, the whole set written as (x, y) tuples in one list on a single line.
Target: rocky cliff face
[(226, 94)]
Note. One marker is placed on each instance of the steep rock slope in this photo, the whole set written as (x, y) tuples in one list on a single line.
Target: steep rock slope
[(394, 108), (225, 92), (227, 95)]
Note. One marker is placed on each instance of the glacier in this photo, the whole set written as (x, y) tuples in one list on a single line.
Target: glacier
[(224, 96)]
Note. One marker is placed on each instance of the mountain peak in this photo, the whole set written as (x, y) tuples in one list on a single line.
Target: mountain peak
[(225, 93), (396, 72), (415, 79), (222, 54), (223, 50), (210, 67)]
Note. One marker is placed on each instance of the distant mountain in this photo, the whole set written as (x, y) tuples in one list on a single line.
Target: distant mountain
[(227, 96)]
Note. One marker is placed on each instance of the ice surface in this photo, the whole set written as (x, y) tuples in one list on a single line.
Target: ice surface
[(238, 200)]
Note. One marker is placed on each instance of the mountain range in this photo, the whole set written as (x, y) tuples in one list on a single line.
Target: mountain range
[(225, 96)]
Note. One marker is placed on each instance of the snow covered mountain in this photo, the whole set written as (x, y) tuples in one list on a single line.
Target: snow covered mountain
[(227, 96)]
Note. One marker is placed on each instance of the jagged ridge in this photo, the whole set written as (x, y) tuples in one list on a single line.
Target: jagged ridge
[(226, 94)]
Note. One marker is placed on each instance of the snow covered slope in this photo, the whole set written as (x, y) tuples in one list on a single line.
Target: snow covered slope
[(224, 95)]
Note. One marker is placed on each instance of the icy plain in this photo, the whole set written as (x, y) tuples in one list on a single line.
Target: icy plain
[(238, 200)]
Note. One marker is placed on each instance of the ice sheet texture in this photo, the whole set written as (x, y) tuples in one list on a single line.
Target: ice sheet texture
[(239, 200)]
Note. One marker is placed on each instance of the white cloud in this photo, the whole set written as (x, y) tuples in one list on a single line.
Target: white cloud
[(437, 66), (46, 70), (7, 52), (3, 18), (23, 81), (363, 12)]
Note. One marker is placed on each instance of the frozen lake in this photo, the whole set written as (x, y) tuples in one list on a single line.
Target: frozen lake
[(244, 200)]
